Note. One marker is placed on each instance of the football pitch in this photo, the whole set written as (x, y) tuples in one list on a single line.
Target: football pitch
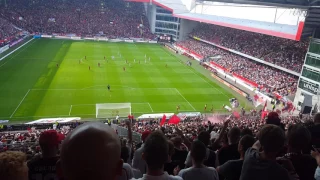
[(33, 87)]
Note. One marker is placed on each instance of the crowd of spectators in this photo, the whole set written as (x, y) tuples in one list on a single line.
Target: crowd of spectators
[(245, 148), (112, 18), (269, 79), (283, 52)]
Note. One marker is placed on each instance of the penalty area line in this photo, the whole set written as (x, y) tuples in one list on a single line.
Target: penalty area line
[(150, 106), (185, 99), (70, 110), (20, 103)]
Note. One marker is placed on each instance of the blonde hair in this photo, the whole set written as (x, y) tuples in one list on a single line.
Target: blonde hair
[(12, 164)]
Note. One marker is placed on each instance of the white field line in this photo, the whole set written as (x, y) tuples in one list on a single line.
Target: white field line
[(3, 64), (20, 103), (150, 107), (70, 110), (16, 50), (208, 83), (89, 88), (185, 99)]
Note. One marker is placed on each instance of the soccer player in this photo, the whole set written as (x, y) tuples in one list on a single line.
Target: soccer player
[(166, 65), (126, 61), (211, 108), (85, 57), (99, 64), (124, 68), (108, 87), (89, 68), (178, 107), (104, 57), (57, 65), (149, 58), (205, 107)]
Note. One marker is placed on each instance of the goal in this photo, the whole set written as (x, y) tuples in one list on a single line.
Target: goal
[(109, 110)]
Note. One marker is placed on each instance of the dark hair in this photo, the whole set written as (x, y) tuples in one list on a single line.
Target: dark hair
[(316, 118), (198, 151), (298, 136), (271, 138), (246, 142), (204, 137), (234, 135), (125, 153), (246, 131), (156, 150)]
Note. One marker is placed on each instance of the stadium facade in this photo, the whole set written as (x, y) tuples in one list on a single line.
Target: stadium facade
[(308, 93)]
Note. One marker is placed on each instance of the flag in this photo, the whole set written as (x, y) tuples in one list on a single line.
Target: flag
[(164, 117), (264, 112), (174, 120), (236, 114)]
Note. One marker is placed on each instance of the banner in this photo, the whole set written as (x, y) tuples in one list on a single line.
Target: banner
[(4, 48), (185, 115), (54, 120), (309, 86), (174, 120), (155, 116)]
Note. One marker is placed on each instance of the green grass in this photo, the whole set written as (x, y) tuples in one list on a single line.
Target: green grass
[(32, 87)]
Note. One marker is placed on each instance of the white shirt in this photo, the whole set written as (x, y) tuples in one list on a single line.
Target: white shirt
[(164, 176), (138, 162), (127, 172), (205, 173)]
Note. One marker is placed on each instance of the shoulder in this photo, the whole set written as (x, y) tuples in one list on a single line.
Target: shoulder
[(183, 171), (175, 177), (126, 166)]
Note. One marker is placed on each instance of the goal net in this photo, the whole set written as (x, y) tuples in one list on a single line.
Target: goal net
[(111, 110)]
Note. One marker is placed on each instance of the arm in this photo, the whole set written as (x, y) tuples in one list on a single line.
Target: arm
[(185, 140), (128, 123), (223, 131)]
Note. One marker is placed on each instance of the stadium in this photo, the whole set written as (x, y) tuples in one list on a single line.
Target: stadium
[(159, 89)]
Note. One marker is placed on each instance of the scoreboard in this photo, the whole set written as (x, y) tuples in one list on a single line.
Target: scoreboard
[(165, 38)]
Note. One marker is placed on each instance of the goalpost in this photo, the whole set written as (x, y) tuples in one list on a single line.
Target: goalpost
[(109, 110)]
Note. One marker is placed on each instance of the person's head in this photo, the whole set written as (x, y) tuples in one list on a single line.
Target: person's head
[(234, 135), (298, 137), (156, 151), (271, 138), (177, 141), (273, 118), (198, 152), (204, 137), (245, 143), (246, 131), (13, 166), (49, 143), (91, 151), (316, 118)]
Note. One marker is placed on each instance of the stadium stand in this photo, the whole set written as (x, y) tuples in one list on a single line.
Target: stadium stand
[(111, 18), (282, 52), (180, 142), (269, 79)]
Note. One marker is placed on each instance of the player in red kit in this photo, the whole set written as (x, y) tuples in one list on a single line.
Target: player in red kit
[(99, 64), (205, 107)]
